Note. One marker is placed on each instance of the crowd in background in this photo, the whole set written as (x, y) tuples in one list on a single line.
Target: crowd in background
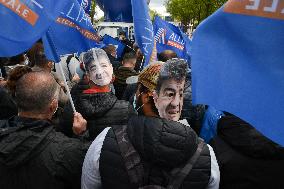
[(135, 126)]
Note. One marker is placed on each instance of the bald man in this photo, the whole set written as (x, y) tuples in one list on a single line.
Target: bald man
[(32, 154)]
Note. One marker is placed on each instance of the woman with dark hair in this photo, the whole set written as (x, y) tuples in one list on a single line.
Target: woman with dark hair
[(8, 107), (14, 76)]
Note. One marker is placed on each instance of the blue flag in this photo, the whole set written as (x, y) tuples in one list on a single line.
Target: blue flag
[(22, 23), (86, 5), (116, 11), (238, 63), (170, 37), (72, 32), (144, 35), (108, 40)]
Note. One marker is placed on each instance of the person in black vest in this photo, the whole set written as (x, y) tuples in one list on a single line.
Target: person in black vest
[(93, 97), (247, 159), (151, 150), (32, 154)]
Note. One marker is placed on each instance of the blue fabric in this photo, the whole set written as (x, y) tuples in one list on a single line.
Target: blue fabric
[(71, 33), (86, 4), (210, 123), (108, 40), (170, 37), (144, 35), (238, 65), (19, 33), (116, 11)]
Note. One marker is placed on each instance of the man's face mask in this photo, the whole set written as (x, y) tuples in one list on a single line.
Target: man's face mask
[(101, 72)]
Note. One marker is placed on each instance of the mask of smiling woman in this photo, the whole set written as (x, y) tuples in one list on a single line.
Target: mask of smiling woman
[(98, 66)]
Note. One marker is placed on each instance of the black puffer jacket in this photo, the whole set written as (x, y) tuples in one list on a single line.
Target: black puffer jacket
[(162, 146), (246, 158), (33, 155), (101, 110)]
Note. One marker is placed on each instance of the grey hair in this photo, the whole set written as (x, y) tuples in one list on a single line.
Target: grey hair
[(35, 91), (172, 69), (92, 55)]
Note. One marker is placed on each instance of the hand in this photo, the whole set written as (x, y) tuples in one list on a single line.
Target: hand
[(79, 124), (76, 78)]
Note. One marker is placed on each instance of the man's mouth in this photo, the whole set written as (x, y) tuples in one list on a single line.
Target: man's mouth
[(173, 112)]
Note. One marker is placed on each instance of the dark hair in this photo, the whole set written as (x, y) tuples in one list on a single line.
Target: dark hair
[(143, 89), (34, 91), (109, 49), (14, 75), (128, 56), (93, 55), (37, 56), (16, 59), (173, 69), (122, 33), (166, 55)]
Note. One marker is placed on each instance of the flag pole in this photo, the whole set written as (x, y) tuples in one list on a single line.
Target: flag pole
[(57, 59)]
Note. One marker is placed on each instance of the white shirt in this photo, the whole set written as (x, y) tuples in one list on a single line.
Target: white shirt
[(91, 178)]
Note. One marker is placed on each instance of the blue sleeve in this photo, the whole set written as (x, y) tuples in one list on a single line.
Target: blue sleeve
[(209, 123)]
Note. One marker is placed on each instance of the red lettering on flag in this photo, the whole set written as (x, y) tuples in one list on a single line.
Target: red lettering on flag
[(176, 45), (84, 32)]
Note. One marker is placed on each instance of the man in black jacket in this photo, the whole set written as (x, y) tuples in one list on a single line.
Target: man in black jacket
[(164, 146), (125, 71), (32, 154)]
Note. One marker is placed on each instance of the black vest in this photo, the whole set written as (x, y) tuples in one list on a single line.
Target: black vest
[(162, 145)]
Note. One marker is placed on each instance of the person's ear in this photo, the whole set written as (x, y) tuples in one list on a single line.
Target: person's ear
[(155, 97), (50, 64), (53, 106)]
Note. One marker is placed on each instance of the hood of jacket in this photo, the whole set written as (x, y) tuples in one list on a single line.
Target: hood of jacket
[(21, 139), (164, 143), (95, 105)]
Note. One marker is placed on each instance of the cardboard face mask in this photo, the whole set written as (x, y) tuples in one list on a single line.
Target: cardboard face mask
[(101, 72), (98, 65)]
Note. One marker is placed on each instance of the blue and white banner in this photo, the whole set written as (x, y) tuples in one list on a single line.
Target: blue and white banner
[(144, 34), (108, 40), (72, 32), (86, 5), (23, 22), (238, 63), (170, 37)]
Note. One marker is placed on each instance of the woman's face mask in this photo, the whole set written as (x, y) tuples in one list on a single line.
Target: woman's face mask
[(135, 102), (101, 72)]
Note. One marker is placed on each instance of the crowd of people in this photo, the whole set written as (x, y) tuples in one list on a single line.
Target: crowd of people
[(134, 127)]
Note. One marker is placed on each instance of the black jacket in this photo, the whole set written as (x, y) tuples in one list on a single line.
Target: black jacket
[(246, 158), (8, 107), (192, 113), (33, 155), (101, 110), (120, 80), (162, 145)]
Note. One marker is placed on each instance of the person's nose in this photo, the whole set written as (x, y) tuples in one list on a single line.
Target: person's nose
[(175, 101)]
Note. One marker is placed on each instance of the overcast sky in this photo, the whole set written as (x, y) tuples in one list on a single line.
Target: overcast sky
[(158, 5)]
